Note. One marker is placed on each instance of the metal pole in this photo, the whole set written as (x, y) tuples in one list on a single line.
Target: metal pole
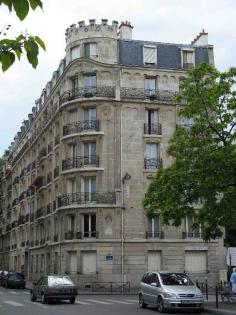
[(206, 289), (217, 301)]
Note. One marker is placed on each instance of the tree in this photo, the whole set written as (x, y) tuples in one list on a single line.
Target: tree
[(202, 179), (12, 48)]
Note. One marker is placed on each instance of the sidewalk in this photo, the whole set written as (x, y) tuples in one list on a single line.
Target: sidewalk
[(225, 308)]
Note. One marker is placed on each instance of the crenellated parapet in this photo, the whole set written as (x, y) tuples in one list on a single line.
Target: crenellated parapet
[(91, 30)]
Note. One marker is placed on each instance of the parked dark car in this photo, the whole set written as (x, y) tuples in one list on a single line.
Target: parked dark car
[(53, 288), (13, 279)]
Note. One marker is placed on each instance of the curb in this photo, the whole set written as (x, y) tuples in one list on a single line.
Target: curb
[(218, 312)]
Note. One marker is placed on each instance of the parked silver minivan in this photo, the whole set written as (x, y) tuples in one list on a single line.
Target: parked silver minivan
[(169, 290)]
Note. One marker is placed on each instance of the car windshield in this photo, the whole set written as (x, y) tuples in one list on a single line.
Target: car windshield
[(59, 281), (175, 279)]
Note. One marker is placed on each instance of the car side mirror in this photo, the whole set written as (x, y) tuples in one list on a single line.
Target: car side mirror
[(155, 284)]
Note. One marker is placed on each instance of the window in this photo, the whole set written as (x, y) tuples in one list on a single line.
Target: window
[(150, 55), (196, 261), (90, 114), (152, 126), (188, 59), (154, 260), (190, 232), (152, 159), (89, 262), (73, 150), (90, 153), (90, 80), (75, 52), (90, 50), (154, 226), (71, 186), (89, 225), (72, 262), (89, 188), (71, 223), (74, 83), (150, 84)]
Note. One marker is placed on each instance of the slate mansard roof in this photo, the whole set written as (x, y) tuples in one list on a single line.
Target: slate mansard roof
[(168, 55)]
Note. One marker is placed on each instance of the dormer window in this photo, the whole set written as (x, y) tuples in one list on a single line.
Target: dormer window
[(188, 58), (75, 52), (150, 55), (90, 50)]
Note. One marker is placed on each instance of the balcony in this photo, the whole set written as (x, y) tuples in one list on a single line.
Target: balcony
[(50, 147), (23, 172), (81, 126), (16, 180), (22, 244), (40, 212), (33, 165), (80, 198), (21, 220), (144, 94), (49, 177), (57, 140), (28, 169), (92, 234), (14, 224), (49, 208), (55, 238), (192, 234), (42, 241), (9, 188), (42, 154), (23, 195), (15, 202), (80, 162), (155, 234), (152, 163), (153, 129), (54, 205), (31, 217), (87, 92), (8, 228), (56, 172), (70, 235), (41, 182), (9, 207)]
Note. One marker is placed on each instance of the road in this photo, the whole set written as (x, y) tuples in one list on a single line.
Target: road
[(17, 302)]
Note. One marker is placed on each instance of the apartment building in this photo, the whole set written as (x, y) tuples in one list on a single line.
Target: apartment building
[(76, 172)]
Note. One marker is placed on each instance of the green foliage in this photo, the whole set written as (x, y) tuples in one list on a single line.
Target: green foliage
[(202, 179), (12, 48)]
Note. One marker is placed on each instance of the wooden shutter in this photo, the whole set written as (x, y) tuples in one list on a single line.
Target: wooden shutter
[(196, 261), (150, 55), (89, 262), (154, 260)]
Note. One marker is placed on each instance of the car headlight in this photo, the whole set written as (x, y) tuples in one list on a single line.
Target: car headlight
[(199, 295), (169, 295)]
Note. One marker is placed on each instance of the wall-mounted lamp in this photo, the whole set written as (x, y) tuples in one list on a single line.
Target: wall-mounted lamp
[(127, 176)]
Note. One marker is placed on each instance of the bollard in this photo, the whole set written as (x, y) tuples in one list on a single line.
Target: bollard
[(206, 289), (217, 301)]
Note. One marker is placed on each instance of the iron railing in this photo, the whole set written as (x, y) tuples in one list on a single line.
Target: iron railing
[(143, 94), (42, 153), (152, 129), (150, 163), (81, 126), (86, 92), (80, 162), (92, 234), (86, 198), (70, 235), (49, 177), (16, 180), (155, 234), (193, 234), (15, 202), (22, 196)]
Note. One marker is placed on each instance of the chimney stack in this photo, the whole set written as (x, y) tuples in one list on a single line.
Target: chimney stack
[(125, 30)]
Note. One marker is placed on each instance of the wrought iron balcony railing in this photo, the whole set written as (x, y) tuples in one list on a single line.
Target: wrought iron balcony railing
[(93, 234), (57, 140), (42, 154), (81, 126), (23, 172), (49, 208), (152, 129), (21, 220), (80, 162), (23, 195), (86, 198), (155, 234), (86, 92), (55, 238), (143, 94), (50, 147), (49, 177), (193, 234), (28, 168), (70, 235), (40, 212), (16, 180), (150, 163), (33, 164)]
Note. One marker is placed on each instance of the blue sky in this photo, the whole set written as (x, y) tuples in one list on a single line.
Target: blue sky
[(174, 21)]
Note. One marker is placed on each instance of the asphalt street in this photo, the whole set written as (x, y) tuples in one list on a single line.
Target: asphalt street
[(17, 302)]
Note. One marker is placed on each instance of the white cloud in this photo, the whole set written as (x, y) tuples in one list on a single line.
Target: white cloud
[(158, 20)]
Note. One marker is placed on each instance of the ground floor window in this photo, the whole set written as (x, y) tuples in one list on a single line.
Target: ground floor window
[(89, 262), (154, 260), (196, 261)]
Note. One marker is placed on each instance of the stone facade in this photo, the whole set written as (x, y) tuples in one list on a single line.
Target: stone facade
[(74, 177)]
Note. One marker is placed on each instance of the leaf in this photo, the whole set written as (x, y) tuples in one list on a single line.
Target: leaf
[(21, 8), (7, 59), (32, 51), (35, 3), (40, 42), (8, 3)]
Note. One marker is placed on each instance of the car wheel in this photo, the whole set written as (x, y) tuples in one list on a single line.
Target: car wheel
[(44, 300), (32, 297), (160, 305), (141, 302), (72, 300)]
